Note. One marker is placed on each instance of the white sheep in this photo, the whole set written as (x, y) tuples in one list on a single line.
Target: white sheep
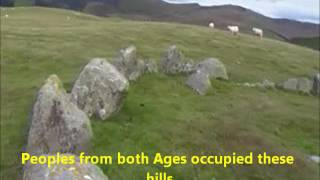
[(258, 32), (6, 16), (234, 29), (211, 25)]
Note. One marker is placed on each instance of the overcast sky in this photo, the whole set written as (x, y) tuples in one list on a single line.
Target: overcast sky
[(302, 10)]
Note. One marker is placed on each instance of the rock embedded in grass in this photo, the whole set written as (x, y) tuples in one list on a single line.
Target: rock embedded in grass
[(264, 84), (128, 63), (302, 84), (268, 84), (174, 62), (315, 159), (72, 171), (290, 84), (214, 68), (199, 82), (100, 89), (57, 125)]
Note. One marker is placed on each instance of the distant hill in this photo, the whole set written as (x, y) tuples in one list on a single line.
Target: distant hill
[(158, 10), (7, 3)]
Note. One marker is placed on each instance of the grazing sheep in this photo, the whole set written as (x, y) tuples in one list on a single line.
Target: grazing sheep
[(258, 32), (6, 16), (234, 29), (211, 25)]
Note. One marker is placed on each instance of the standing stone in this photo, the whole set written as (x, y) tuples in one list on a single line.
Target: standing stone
[(174, 62), (128, 63), (214, 68), (199, 82), (304, 85), (99, 89), (57, 124), (75, 171), (316, 85)]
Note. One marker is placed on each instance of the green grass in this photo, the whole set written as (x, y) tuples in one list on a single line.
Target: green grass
[(160, 113)]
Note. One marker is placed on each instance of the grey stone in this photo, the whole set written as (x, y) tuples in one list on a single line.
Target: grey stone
[(315, 159), (57, 125), (304, 85), (174, 62), (263, 84), (247, 84), (199, 82), (75, 171), (214, 68), (268, 84), (316, 85), (128, 63), (297, 84), (99, 89), (290, 84)]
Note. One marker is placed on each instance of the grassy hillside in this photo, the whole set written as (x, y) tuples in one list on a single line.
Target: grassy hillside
[(313, 43), (160, 113)]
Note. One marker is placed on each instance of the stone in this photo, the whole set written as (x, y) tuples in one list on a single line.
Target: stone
[(174, 62), (128, 63), (267, 84), (315, 159), (57, 125), (247, 84), (214, 68), (199, 82), (100, 89), (316, 85), (304, 85), (290, 84), (74, 171)]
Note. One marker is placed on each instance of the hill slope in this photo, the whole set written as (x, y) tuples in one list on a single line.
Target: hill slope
[(313, 43), (37, 42)]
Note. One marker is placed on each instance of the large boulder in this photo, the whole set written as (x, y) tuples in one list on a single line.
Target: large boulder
[(100, 89), (174, 62), (316, 85), (128, 63), (199, 82), (214, 68), (74, 171), (57, 125)]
